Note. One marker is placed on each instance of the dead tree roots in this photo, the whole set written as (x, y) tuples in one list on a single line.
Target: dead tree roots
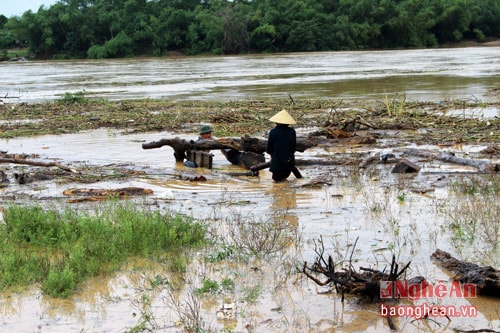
[(364, 283)]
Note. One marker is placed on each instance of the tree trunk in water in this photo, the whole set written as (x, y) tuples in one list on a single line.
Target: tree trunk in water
[(482, 166), (246, 143), (486, 279)]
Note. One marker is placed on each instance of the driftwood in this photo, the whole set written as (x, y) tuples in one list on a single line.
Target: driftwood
[(266, 165), (348, 281), (482, 166), (7, 96), (405, 166), (246, 143), (366, 284), (302, 162), (369, 160), (26, 178), (36, 163), (243, 174), (491, 150), (94, 194), (486, 278)]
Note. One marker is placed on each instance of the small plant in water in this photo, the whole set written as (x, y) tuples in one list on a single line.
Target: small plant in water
[(251, 294), (73, 98), (178, 263), (395, 106), (263, 238), (227, 284), (189, 312), (472, 216), (147, 319), (209, 286), (225, 252), (60, 283)]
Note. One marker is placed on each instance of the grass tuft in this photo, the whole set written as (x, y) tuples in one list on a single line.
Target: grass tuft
[(473, 217), (62, 249)]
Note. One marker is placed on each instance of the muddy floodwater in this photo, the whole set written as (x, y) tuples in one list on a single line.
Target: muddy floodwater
[(381, 213), (434, 74)]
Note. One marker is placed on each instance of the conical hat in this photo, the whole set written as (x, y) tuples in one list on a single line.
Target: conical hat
[(282, 117)]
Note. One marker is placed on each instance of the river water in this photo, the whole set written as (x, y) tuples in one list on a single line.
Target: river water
[(431, 75), (375, 206)]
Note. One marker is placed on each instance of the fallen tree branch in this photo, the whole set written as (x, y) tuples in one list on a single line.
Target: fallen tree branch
[(37, 163), (245, 143), (450, 158), (7, 96), (485, 278)]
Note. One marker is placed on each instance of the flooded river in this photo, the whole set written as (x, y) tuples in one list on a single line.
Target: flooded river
[(406, 215), (431, 75)]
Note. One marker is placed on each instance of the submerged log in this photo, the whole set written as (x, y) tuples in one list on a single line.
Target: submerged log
[(245, 159), (246, 143), (26, 178), (405, 166), (98, 194), (266, 165), (260, 166), (482, 166), (486, 278), (301, 162)]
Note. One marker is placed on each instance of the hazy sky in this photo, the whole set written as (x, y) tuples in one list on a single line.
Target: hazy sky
[(18, 7)]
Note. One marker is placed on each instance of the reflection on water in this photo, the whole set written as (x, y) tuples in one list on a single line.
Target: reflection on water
[(478, 113), (284, 202), (435, 74)]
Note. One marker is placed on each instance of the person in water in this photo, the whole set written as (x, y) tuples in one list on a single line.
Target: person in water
[(281, 146), (232, 155), (205, 133)]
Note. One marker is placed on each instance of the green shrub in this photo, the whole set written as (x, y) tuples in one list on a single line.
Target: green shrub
[(209, 286), (59, 284), (62, 249), (72, 98)]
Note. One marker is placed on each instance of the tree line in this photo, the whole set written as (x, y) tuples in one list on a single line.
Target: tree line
[(125, 28)]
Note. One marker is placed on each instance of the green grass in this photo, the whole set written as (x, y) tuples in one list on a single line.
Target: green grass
[(60, 250), (72, 98), (14, 53), (252, 293), (472, 217), (209, 286)]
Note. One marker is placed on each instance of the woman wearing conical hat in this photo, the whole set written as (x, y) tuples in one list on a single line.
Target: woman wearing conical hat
[(281, 146)]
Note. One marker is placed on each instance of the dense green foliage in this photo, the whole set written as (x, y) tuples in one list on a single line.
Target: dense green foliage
[(122, 28), (60, 249)]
